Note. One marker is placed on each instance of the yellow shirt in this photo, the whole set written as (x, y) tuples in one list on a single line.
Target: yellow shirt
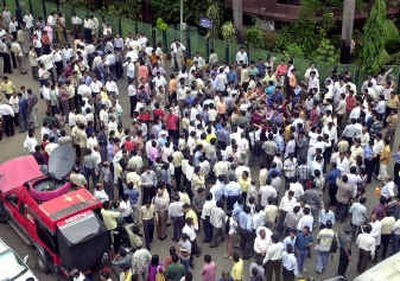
[(237, 271), (385, 155), (210, 137), (192, 214), (244, 184), (110, 218), (7, 87), (147, 213)]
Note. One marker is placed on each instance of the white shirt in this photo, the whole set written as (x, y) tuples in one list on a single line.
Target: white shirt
[(30, 144), (287, 204), (289, 262), (306, 220), (6, 109), (366, 242), (131, 90), (274, 253), (111, 86), (261, 245), (95, 86), (206, 211), (190, 232), (242, 57), (376, 231), (266, 192)]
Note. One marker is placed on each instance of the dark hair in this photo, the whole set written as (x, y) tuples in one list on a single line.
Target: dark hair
[(236, 256), (155, 260), (175, 258), (207, 258)]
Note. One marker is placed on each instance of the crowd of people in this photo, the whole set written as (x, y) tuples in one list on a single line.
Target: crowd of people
[(272, 163)]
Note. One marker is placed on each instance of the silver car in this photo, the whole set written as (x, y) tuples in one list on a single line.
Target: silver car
[(12, 267)]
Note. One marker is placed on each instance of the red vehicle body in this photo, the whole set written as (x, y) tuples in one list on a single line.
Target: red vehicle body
[(66, 229)]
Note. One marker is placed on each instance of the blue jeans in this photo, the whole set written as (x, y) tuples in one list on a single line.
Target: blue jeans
[(90, 173), (301, 257), (186, 264), (396, 243), (322, 261)]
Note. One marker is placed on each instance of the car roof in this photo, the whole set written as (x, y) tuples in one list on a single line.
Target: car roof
[(17, 171), (69, 204), (3, 246)]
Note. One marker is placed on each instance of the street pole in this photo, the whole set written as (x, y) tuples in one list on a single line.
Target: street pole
[(181, 20), (349, 7)]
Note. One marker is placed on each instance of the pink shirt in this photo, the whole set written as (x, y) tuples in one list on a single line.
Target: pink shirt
[(209, 272)]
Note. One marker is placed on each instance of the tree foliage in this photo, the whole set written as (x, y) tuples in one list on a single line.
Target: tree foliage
[(228, 31), (255, 36), (326, 53), (169, 10), (373, 53)]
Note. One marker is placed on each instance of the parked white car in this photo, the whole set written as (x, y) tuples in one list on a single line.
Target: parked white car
[(12, 267)]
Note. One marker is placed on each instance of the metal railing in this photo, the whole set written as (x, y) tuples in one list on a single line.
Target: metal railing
[(194, 42)]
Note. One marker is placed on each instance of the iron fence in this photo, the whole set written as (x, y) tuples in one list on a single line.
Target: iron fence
[(194, 42)]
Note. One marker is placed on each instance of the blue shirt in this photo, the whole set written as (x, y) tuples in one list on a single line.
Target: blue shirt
[(237, 209), (325, 216), (232, 189), (133, 195), (396, 157), (332, 176), (245, 221), (280, 142), (368, 152), (302, 241)]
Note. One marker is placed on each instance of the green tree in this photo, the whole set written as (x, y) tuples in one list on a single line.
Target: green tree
[(214, 13), (373, 53), (228, 31), (326, 53)]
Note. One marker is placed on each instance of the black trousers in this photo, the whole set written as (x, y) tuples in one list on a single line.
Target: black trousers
[(287, 275), (177, 223), (396, 176), (7, 62), (133, 101), (8, 125), (385, 239), (178, 177), (369, 168), (273, 267), (363, 259), (148, 227), (246, 243), (343, 262)]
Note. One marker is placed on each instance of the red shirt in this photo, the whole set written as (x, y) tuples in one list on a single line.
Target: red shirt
[(172, 122), (350, 103), (129, 145), (144, 117), (159, 113)]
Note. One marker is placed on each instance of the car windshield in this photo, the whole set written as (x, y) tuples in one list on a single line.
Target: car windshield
[(11, 267), (81, 229)]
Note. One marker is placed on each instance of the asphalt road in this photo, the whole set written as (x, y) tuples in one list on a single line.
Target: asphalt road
[(12, 147)]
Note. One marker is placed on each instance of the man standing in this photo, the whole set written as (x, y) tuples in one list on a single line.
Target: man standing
[(161, 203), (245, 232), (359, 214), (176, 215), (343, 196), (345, 240), (325, 239), (273, 259), (304, 241), (366, 246), (7, 113), (147, 215)]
